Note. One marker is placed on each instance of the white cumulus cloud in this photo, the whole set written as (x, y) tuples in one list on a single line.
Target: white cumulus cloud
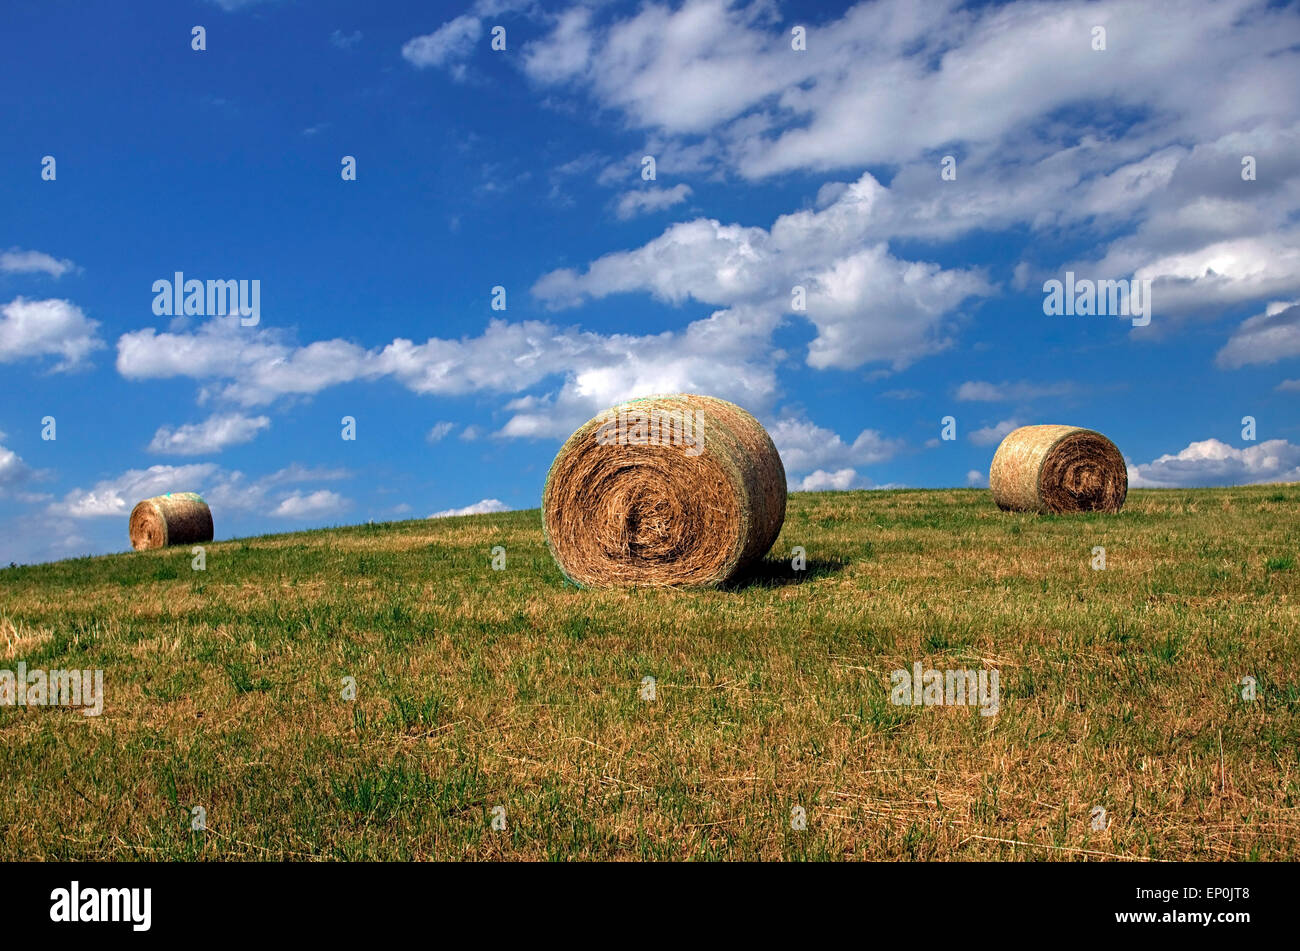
[(716, 89), (117, 496), (37, 328), (1211, 462), (867, 304), (805, 446), (224, 489), (821, 480), (991, 435), (13, 471), (484, 507), (726, 72)]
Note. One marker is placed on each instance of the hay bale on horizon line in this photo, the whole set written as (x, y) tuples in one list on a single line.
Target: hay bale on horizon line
[(177, 518), (1058, 469), (626, 505)]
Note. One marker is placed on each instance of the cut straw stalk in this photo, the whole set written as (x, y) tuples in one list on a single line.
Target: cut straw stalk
[(626, 504), (177, 518), (1058, 469)]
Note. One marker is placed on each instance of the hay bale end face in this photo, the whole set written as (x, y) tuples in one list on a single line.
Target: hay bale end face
[(1058, 469), (680, 490), (177, 518)]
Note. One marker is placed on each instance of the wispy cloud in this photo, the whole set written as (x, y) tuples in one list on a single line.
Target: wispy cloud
[(643, 200), (212, 435), (446, 47), (439, 431), (345, 41), (1265, 338), (1011, 392), (18, 261), (310, 505)]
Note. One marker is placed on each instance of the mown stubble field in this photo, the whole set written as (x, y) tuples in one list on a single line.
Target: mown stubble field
[(476, 688)]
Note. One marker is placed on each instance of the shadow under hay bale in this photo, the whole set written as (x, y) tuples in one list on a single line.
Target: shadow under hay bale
[(177, 518), (1058, 469), (777, 573), (680, 490)]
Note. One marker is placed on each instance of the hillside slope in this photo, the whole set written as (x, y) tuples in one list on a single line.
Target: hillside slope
[(476, 689)]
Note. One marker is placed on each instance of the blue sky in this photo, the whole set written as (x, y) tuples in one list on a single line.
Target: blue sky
[(523, 168)]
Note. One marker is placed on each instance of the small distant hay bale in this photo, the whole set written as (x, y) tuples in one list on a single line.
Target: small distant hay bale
[(177, 518), (1058, 469), (674, 490)]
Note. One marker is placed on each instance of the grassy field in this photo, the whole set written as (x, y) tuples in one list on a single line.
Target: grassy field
[(477, 688)]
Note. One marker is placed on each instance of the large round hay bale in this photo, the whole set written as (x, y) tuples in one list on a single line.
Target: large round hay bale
[(177, 518), (666, 490), (1058, 469)]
